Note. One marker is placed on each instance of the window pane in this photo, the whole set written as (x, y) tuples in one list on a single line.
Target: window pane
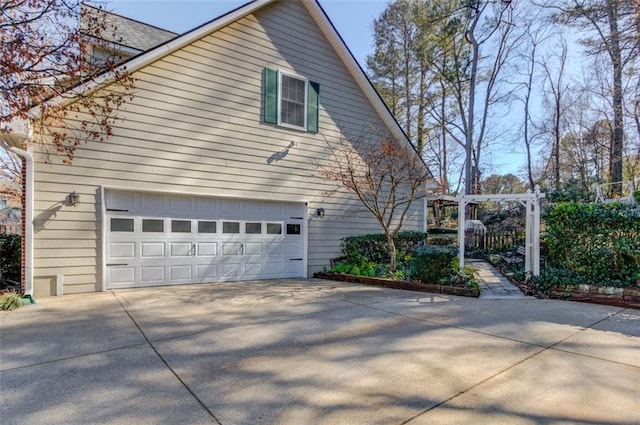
[(253, 228), (181, 226), (122, 225), (206, 227), (293, 229), (152, 225), (292, 101), (292, 113), (230, 227), (274, 229)]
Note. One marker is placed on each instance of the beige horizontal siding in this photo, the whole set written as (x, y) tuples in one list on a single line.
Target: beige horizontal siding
[(195, 126)]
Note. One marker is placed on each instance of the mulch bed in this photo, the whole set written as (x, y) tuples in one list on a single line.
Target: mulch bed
[(400, 284)]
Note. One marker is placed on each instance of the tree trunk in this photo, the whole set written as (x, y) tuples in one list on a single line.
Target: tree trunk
[(618, 126), (393, 261)]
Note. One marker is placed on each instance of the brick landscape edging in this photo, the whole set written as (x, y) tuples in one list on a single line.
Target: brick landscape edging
[(618, 297), (400, 284)]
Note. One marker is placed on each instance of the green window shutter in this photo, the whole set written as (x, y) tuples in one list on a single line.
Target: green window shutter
[(270, 96), (312, 107)]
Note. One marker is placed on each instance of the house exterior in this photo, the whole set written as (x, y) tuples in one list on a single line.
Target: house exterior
[(209, 174), (10, 219)]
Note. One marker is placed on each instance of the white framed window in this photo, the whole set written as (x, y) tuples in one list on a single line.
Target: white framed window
[(292, 101)]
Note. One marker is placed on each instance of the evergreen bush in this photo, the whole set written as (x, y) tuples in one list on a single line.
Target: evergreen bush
[(599, 243), (10, 254), (374, 248), (435, 264)]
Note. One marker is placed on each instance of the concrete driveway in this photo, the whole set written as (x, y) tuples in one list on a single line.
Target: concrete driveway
[(316, 352)]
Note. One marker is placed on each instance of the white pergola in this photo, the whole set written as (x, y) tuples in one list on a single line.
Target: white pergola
[(531, 202)]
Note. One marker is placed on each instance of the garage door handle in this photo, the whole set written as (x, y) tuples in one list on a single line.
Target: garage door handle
[(241, 249), (295, 259), (193, 249)]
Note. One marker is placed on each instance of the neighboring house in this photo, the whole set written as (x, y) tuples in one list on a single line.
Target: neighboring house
[(209, 173), (10, 219)]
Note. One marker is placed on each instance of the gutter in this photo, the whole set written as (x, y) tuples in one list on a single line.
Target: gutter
[(28, 201)]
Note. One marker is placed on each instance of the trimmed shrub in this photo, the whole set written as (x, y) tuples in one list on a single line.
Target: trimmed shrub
[(597, 243), (373, 247), (442, 240), (434, 264)]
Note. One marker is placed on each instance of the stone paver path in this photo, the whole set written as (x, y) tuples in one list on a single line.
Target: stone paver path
[(494, 286)]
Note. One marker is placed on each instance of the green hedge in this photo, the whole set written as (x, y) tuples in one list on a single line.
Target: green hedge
[(599, 243), (10, 253), (433, 264), (373, 247)]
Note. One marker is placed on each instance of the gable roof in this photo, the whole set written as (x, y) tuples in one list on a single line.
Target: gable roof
[(319, 16), (131, 34)]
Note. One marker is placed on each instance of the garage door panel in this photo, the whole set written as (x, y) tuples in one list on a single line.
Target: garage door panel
[(253, 270), (231, 248), (122, 275), (153, 202), (274, 268), (231, 207), (230, 271), (152, 250), (209, 271), (181, 272), (274, 211), (152, 274), (207, 249), (122, 250), (207, 207), (181, 249), (253, 209), (293, 267), (123, 201), (253, 248), (274, 248), (292, 248)]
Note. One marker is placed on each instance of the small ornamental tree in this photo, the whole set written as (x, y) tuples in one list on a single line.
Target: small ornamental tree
[(386, 175), (46, 70)]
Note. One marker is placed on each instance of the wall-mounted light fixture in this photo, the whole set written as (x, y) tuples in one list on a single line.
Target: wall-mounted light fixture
[(73, 198), (320, 212)]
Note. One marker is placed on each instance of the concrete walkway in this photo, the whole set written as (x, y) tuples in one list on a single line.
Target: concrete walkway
[(494, 286), (316, 352)]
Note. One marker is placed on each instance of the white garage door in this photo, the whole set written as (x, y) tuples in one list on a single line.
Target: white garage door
[(154, 239)]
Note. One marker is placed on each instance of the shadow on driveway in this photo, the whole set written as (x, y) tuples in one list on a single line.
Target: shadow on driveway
[(315, 352)]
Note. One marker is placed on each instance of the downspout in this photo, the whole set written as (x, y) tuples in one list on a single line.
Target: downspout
[(28, 231)]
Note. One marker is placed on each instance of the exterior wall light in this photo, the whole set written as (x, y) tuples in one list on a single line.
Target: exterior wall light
[(73, 198), (320, 212)]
